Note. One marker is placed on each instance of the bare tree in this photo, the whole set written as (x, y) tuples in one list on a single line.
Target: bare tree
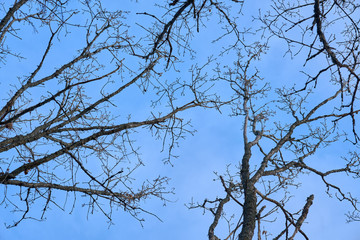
[(285, 131), (282, 129), (69, 124), (65, 125)]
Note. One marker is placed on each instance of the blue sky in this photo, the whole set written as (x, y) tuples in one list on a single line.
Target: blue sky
[(216, 144)]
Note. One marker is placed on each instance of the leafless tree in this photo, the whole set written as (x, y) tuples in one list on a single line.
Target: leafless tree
[(66, 124), (69, 124), (280, 134)]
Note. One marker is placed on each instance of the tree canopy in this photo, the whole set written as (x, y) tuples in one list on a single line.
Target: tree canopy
[(86, 84)]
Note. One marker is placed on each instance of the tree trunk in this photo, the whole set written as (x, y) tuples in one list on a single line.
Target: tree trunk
[(249, 211), (249, 208)]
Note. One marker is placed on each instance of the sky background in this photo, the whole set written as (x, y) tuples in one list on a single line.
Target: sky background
[(216, 144)]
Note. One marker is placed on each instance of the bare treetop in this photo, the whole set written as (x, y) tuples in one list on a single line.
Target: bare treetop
[(86, 83), (65, 125)]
